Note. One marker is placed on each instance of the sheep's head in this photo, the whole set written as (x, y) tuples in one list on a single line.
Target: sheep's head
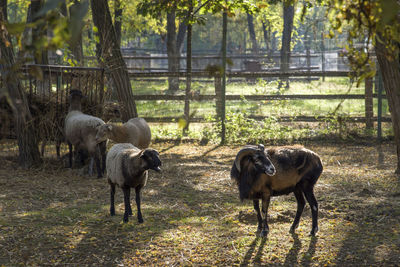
[(258, 156), (103, 132), (151, 159)]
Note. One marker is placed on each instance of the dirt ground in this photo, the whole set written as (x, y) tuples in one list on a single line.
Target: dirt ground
[(193, 216)]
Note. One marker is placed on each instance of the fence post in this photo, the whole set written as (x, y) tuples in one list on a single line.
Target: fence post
[(369, 111), (323, 56), (188, 77), (218, 95), (380, 89), (223, 87)]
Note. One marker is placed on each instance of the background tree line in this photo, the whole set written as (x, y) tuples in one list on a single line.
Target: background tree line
[(72, 29)]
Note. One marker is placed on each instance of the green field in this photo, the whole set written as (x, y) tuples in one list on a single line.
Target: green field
[(238, 111), (353, 107)]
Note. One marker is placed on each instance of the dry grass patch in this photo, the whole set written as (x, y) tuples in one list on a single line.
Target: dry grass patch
[(193, 216)]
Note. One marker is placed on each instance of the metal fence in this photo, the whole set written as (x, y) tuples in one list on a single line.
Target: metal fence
[(47, 89)]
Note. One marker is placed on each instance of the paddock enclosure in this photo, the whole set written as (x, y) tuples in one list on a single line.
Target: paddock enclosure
[(313, 97), (193, 216), (47, 89)]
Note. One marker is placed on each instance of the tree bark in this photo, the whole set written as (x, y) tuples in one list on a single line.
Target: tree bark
[(118, 20), (250, 23), (181, 36), (390, 70), (38, 32), (188, 75), (27, 140), (111, 57), (288, 15), (172, 52), (77, 48), (267, 36)]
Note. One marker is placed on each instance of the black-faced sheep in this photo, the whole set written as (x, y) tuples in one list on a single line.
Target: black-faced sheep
[(135, 131), (80, 132), (261, 174), (127, 167)]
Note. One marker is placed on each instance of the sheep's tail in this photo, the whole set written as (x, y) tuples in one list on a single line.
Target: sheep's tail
[(312, 168), (308, 161)]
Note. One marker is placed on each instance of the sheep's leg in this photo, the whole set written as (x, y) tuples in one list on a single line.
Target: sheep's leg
[(70, 154), (300, 207), (139, 212), (112, 194), (103, 155), (309, 194), (91, 166), (259, 218), (98, 166), (42, 148), (58, 145), (265, 204), (95, 158), (127, 202)]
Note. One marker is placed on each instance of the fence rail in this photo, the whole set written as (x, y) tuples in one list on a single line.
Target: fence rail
[(57, 81), (368, 119), (253, 97), (354, 119)]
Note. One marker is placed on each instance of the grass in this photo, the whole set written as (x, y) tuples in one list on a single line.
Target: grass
[(55, 216), (264, 108)]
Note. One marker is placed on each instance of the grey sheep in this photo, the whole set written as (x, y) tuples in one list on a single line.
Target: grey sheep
[(80, 132), (127, 167), (262, 174)]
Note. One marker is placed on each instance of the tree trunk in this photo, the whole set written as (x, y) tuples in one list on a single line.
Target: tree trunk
[(188, 75), (77, 47), (267, 36), (250, 23), (25, 34), (27, 141), (118, 20), (390, 70), (181, 36), (111, 57), (288, 14), (173, 56), (38, 32)]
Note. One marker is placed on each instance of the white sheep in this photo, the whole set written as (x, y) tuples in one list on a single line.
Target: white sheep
[(80, 132), (127, 167), (135, 131)]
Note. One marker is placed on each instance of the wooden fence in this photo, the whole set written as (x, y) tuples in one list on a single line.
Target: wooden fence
[(56, 81), (368, 96)]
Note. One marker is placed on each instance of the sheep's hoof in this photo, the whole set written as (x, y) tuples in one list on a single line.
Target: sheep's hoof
[(140, 220), (126, 218), (264, 233), (293, 228), (112, 212), (314, 231)]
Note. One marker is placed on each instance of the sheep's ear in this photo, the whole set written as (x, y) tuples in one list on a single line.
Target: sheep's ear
[(142, 155), (109, 127)]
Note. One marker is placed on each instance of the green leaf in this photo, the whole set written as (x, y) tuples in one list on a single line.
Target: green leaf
[(15, 28), (49, 5), (390, 10)]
